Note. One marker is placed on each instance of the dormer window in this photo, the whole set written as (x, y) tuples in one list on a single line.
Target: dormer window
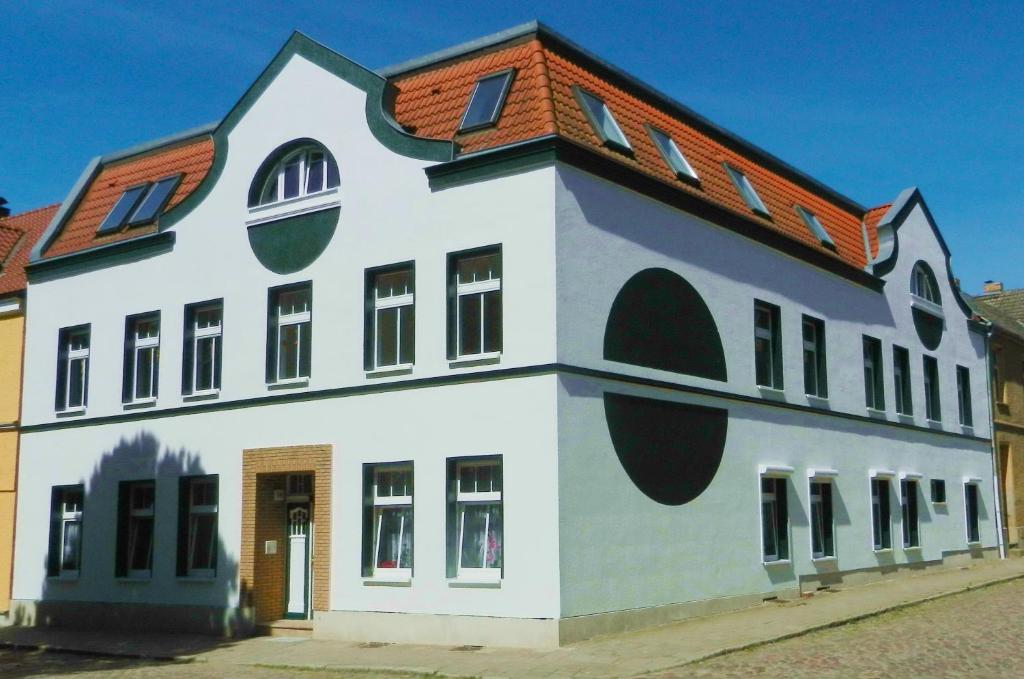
[(601, 119), (672, 155), (486, 101), (139, 204), (746, 190), (923, 284), (815, 226), (303, 171)]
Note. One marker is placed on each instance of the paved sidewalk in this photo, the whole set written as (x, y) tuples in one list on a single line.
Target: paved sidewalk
[(652, 650)]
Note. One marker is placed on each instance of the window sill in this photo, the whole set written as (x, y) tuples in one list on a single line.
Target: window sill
[(934, 424), (71, 412), (824, 559), (937, 502), (134, 579), (197, 579), (290, 383), (777, 562), (884, 550), (975, 544), (390, 371), (818, 401), (140, 403), (876, 413), (385, 581), (63, 577), (474, 583), (912, 548), (771, 393), (930, 308), (475, 359), (201, 395), (967, 428), (905, 418), (292, 207)]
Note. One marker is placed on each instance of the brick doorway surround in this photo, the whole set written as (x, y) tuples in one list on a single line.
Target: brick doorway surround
[(261, 576)]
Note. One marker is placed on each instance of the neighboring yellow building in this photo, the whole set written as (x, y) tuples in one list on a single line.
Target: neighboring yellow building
[(1004, 309), (18, 234)]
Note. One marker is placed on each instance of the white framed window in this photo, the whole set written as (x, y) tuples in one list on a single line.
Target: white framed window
[(910, 520), (746, 190), (197, 527), (674, 158), (823, 542), (142, 358), (391, 328), (201, 363), (392, 521), (932, 405), (901, 380), (815, 226), (774, 518), (486, 101), (601, 120), (137, 501), (963, 394), (923, 284), (874, 389), (767, 345), (815, 362), (73, 368), (881, 518), (289, 341), (306, 171), (971, 507), (475, 304), (476, 512), (66, 508)]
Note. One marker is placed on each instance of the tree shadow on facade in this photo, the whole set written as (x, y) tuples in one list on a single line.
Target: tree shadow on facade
[(143, 506)]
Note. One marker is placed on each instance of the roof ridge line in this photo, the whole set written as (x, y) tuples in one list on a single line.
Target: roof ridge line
[(548, 95), (4, 220), (159, 142)]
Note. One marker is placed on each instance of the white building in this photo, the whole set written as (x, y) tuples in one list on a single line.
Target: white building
[(502, 341)]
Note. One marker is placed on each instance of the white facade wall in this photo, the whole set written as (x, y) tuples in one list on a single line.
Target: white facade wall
[(711, 547)]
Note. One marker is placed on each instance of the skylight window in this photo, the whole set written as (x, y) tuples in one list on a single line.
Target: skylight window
[(671, 153), (746, 190), (486, 101), (602, 120), (815, 226), (122, 208), (154, 202)]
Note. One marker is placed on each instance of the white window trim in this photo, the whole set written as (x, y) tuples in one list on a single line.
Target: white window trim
[(284, 320), (912, 478), (818, 477), (483, 575), (277, 175), (812, 347), (822, 473), (145, 513), (140, 344), (200, 573), (65, 518), (774, 471), (74, 355), (767, 334), (927, 306), (407, 299), (399, 574), (888, 476), (473, 288), (198, 334), (976, 482)]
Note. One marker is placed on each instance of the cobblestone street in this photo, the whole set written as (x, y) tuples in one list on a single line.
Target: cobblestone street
[(979, 633), (976, 633)]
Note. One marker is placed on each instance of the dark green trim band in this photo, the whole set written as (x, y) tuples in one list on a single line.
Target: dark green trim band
[(544, 151), (468, 378), (102, 254)]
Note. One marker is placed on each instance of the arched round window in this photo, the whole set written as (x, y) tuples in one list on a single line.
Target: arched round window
[(924, 285), (297, 169)]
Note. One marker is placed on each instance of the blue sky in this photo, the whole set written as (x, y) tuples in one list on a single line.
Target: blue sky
[(868, 98)]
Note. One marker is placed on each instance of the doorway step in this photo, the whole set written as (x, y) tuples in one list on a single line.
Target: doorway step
[(285, 628)]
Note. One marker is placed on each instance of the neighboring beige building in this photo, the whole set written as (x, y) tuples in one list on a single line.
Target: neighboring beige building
[(1004, 309), (17, 236)]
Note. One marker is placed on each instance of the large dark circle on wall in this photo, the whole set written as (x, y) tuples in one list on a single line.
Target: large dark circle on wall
[(658, 320), (929, 328), (670, 451), (289, 245)]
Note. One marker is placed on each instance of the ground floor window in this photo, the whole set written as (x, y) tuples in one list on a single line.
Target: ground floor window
[(65, 554), (822, 530), (136, 501), (475, 526), (881, 520), (908, 504), (197, 526), (774, 519), (971, 507), (388, 520)]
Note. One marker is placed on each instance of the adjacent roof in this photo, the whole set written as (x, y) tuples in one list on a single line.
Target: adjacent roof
[(18, 233), (428, 97), (1004, 309)]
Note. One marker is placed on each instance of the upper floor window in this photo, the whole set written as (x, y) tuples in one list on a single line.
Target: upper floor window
[(391, 318), (815, 372), (289, 332), (746, 190), (874, 391), (486, 101), (924, 285), (201, 355), (671, 153), (293, 173), (901, 380), (72, 368), (932, 406), (963, 392), (65, 555), (601, 119), (197, 526), (141, 358), (139, 204), (767, 345), (815, 226), (474, 303)]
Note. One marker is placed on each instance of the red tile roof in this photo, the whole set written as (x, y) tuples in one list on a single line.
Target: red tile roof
[(871, 219), (431, 100), (193, 159), (18, 233)]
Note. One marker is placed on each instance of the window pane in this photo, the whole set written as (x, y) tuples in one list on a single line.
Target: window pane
[(407, 339), (469, 324), (291, 179), (394, 547), (481, 536), (293, 301), (76, 384), (144, 372), (206, 353), (763, 360), (484, 101), (394, 283), (305, 346), (467, 479), (70, 548), (140, 557), (288, 352), (315, 173), (771, 547), (480, 268), (387, 336), (202, 538), (79, 341), (492, 320)]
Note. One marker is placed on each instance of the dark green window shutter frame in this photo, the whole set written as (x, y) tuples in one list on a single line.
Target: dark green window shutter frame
[(188, 352), (453, 332), (826, 518), (53, 555), (271, 334), (121, 559), (451, 524), (781, 491), (184, 486), (62, 369), (367, 561), (777, 377), (128, 370), (368, 320)]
